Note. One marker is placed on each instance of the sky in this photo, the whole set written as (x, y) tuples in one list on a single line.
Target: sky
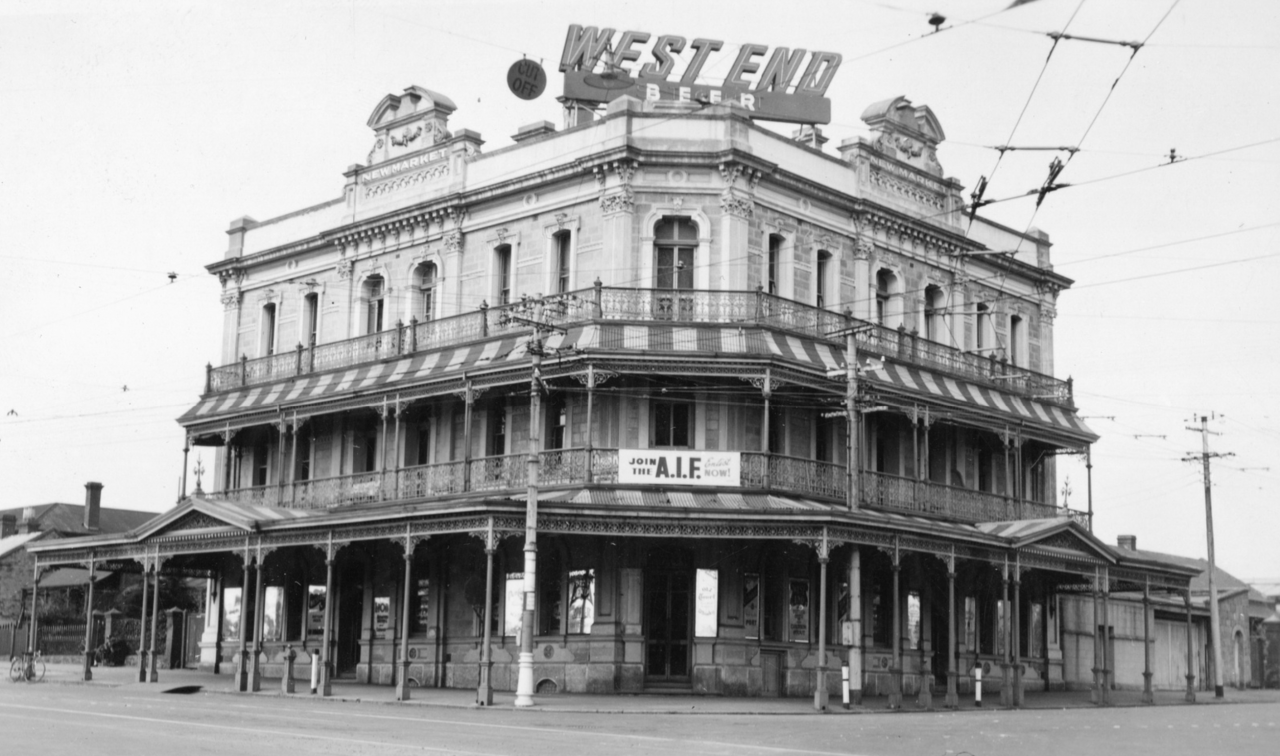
[(132, 133)]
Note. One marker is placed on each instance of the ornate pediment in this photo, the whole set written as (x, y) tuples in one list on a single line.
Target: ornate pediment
[(194, 522)]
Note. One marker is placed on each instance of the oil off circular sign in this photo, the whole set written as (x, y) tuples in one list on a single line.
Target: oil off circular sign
[(526, 79)]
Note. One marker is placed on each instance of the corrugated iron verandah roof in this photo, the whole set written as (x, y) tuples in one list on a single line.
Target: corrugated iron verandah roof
[(209, 525), (297, 393)]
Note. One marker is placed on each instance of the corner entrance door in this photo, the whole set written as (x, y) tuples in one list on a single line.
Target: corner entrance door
[(667, 615)]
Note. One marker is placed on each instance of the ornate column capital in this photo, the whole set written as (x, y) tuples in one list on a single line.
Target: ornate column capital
[(736, 205)]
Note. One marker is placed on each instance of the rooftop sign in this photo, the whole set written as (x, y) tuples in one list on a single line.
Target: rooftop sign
[(788, 84)]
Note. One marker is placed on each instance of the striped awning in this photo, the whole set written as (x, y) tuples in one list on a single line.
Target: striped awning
[(429, 366), (983, 397)]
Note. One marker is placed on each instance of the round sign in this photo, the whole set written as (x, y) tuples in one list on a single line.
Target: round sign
[(526, 79)]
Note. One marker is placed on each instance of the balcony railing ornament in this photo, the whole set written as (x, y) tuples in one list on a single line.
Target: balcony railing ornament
[(728, 308)]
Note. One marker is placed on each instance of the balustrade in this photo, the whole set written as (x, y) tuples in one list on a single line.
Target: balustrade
[(754, 308), (568, 467)]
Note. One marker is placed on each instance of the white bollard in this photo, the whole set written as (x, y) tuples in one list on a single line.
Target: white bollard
[(977, 686), (315, 671), (844, 684)]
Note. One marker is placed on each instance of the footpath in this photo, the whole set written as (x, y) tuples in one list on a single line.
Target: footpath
[(177, 681)]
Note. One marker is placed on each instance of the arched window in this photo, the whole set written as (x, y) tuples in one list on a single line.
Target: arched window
[(267, 337), (773, 265), (1017, 353), (425, 280), (888, 311), (311, 318), (982, 337), (562, 261), (375, 303), (503, 272), (675, 248), (934, 304), (824, 280), (675, 240)]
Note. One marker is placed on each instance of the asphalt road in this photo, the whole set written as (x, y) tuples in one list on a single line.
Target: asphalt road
[(50, 719)]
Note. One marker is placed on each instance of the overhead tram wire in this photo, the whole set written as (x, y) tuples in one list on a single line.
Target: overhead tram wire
[(983, 182)]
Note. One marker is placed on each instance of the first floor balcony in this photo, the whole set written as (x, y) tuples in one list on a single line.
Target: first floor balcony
[(762, 473)]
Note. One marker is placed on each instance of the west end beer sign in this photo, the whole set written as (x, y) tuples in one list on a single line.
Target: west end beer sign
[(788, 84)]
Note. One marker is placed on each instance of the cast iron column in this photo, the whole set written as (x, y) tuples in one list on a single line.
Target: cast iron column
[(1191, 658), (895, 673), (484, 695), (1095, 695), (259, 611), (953, 698), (326, 668), (242, 669), (1107, 671), (88, 623), (402, 679), (1147, 695), (1006, 683), (142, 625), (820, 692), (152, 674), (1015, 618)]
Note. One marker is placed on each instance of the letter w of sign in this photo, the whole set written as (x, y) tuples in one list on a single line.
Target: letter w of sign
[(583, 47)]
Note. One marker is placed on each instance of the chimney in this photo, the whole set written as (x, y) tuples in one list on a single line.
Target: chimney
[(92, 505), (28, 522), (8, 525), (1127, 542)]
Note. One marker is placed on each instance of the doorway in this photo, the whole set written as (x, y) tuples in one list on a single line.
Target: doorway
[(350, 619), (668, 628)]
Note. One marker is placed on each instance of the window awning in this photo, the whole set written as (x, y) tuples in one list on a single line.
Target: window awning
[(1015, 409), (427, 366)]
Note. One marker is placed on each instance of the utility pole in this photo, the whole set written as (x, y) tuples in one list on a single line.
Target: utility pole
[(1215, 629), (538, 325)]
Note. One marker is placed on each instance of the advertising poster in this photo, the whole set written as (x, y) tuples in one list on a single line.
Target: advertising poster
[(423, 590), (679, 467), (382, 616), (707, 603), (315, 611), (230, 613), (273, 613)]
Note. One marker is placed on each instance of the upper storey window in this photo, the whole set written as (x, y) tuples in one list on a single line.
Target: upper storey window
[(672, 424), (1017, 333), (823, 275), (502, 267), (983, 337), (267, 338), (934, 304), (375, 294), (562, 261), (425, 277), (675, 241), (888, 298), (311, 318), (772, 271)]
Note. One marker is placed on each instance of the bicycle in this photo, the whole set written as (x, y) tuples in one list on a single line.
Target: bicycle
[(29, 667)]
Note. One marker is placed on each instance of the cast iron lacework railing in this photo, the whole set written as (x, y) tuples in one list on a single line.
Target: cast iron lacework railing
[(742, 308), (775, 473)]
